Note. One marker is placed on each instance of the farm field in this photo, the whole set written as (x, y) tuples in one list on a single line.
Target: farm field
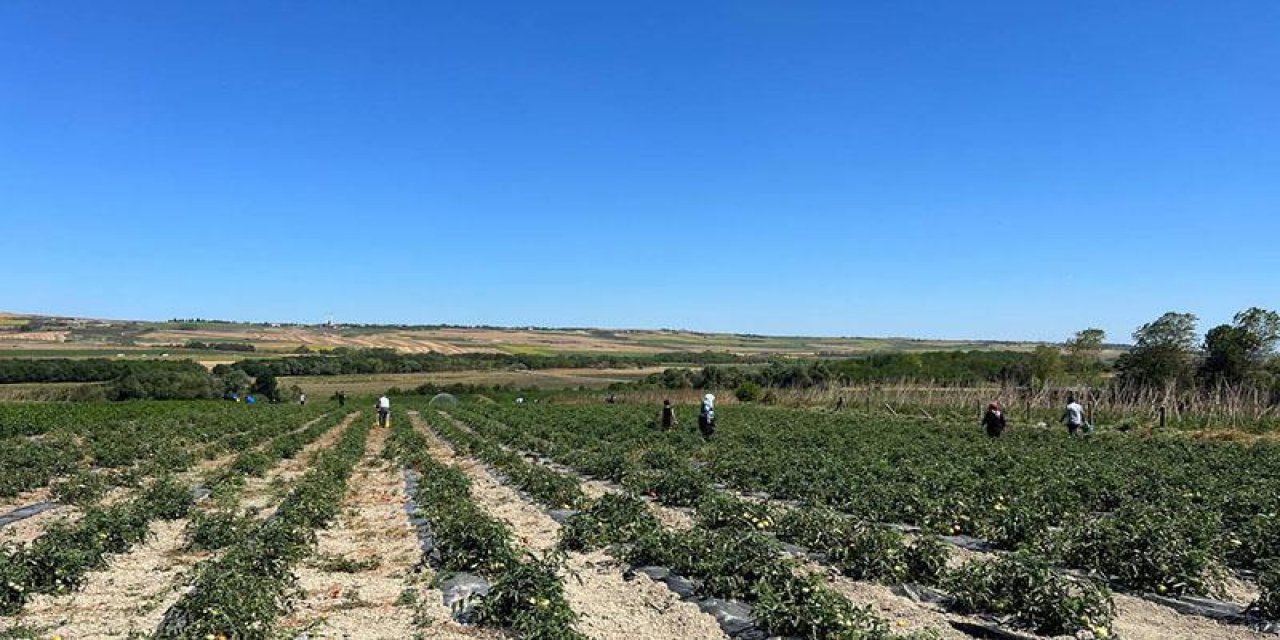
[(40, 336), (1034, 532), (199, 519)]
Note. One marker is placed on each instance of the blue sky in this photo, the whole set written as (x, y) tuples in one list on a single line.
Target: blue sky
[(1000, 170)]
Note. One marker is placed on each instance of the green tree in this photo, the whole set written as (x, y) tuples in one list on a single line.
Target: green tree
[(1263, 327), (1084, 355), (1240, 352), (1163, 351), (1046, 365), (266, 386), (234, 381)]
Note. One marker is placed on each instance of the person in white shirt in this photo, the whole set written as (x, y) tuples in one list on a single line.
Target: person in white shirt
[(1073, 415), (384, 411)]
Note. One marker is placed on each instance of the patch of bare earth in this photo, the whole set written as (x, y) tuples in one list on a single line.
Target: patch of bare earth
[(609, 606), (260, 493), (130, 596), (1138, 619), (26, 530), (378, 594), (23, 499)]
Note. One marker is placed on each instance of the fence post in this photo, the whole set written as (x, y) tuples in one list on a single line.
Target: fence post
[(1161, 417)]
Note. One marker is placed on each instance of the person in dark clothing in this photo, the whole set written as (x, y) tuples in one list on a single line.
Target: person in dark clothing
[(342, 398), (707, 417), (668, 415), (993, 420)]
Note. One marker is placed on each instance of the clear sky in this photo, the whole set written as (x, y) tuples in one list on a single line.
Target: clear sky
[(1004, 169)]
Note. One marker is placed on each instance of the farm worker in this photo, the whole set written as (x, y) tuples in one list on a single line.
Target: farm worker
[(302, 399), (1073, 415), (707, 416), (993, 420), (342, 398), (384, 411), (668, 415), (250, 399)]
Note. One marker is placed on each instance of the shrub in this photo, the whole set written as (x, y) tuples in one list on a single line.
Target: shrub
[(748, 391)]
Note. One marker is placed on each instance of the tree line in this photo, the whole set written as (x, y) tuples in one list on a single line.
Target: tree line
[(1167, 355), (367, 361)]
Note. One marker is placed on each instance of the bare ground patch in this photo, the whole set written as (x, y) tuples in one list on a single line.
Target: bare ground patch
[(361, 582), (132, 595)]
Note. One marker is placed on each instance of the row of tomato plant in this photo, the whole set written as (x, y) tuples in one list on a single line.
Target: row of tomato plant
[(255, 458), (727, 562), (526, 594), (58, 561), (1163, 514), (43, 441), (243, 592), (1020, 586)]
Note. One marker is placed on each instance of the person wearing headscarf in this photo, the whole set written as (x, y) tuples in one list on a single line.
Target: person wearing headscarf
[(668, 415), (707, 416), (993, 420)]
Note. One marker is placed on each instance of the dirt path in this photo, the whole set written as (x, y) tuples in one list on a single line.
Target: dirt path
[(609, 607), (361, 582), (25, 498), (1138, 619), (260, 493), (134, 591), (130, 596)]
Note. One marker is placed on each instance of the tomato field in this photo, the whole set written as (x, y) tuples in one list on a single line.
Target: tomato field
[(480, 519)]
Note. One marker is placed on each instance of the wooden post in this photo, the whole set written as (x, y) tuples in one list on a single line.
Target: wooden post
[(1161, 417)]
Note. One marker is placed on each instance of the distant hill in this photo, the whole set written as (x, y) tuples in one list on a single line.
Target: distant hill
[(49, 336)]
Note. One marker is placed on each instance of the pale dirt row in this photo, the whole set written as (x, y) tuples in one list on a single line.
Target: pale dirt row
[(609, 606), (261, 493), (30, 496), (370, 603), (133, 593)]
